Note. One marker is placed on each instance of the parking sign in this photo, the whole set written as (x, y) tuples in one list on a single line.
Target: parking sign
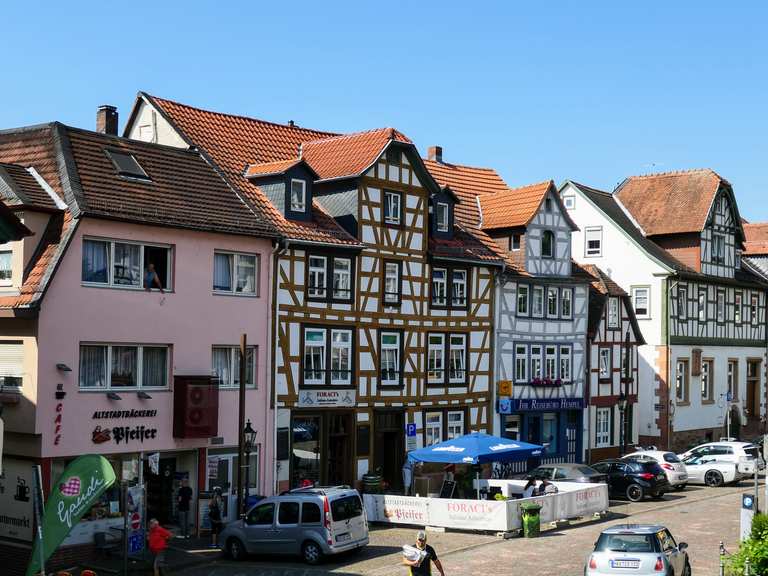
[(410, 430)]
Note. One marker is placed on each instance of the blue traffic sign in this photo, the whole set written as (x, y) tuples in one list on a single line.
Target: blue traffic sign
[(410, 429), (136, 542)]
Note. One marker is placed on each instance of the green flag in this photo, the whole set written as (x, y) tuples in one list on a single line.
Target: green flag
[(77, 489)]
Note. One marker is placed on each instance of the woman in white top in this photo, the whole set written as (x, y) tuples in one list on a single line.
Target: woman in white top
[(530, 488)]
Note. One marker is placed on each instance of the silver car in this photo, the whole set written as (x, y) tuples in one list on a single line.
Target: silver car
[(311, 522), (640, 550)]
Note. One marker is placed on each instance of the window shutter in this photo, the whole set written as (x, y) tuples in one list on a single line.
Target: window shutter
[(11, 358)]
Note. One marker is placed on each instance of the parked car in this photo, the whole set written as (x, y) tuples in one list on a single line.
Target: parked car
[(565, 473), (673, 467), (743, 454), (311, 522), (710, 471), (633, 479), (640, 550)]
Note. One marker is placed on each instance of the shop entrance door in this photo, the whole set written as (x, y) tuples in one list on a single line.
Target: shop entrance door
[(322, 448), (339, 453), (160, 490), (753, 388), (389, 446)]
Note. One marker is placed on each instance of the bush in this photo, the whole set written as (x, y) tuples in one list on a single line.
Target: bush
[(755, 548), (759, 527)]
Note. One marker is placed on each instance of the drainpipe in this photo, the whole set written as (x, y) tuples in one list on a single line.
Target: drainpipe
[(669, 361), (588, 390)]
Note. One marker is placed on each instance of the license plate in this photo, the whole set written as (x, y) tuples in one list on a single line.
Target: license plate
[(343, 537), (625, 563), (660, 477), (683, 476)]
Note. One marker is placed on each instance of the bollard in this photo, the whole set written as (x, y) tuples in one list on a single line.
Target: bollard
[(722, 558), (747, 571)]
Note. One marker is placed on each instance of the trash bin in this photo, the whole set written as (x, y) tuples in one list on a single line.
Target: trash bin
[(531, 521), (372, 483)]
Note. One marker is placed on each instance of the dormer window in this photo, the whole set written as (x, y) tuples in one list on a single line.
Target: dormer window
[(126, 165), (548, 244), (298, 195), (392, 207), (443, 214), (6, 269)]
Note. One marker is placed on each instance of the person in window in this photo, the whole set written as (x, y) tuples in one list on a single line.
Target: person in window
[(215, 514), (151, 279), (424, 567)]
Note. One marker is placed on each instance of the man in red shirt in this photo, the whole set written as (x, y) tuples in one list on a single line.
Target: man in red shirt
[(158, 542)]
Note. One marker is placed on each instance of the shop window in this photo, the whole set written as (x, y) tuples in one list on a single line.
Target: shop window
[(392, 283), (522, 300), (512, 427), (235, 273), (602, 427), (106, 366), (288, 513), (310, 513), (550, 432), (226, 365), (433, 433), (305, 450), (126, 265)]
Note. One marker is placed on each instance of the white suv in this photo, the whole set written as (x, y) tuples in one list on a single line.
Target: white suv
[(743, 454)]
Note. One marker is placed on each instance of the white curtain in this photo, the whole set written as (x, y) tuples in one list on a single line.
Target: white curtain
[(95, 261), (222, 272), (124, 361), (93, 366), (127, 265), (221, 365), (246, 274), (154, 367)]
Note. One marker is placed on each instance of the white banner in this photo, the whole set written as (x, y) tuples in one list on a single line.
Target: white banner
[(326, 398), (16, 506)]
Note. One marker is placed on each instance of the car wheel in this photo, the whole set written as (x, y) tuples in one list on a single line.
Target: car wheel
[(634, 493), (311, 553), (713, 478), (235, 549), (680, 487)]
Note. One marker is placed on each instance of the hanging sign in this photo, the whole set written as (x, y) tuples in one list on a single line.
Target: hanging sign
[(326, 398)]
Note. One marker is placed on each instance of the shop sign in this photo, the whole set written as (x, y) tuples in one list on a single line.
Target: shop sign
[(123, 434), (16, 510), (478, 514), (124, 414), (543, 405), (505, 388), (326, 398)]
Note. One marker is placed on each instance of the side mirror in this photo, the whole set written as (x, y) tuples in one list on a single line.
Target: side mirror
[(682, 546)]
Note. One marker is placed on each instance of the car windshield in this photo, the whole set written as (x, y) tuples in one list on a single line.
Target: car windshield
[(625, 543), (346, 508), (671, 457)]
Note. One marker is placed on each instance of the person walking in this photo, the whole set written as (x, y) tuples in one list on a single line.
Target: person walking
[(215, 515), (183, 499), (424, 568), (158, 542)]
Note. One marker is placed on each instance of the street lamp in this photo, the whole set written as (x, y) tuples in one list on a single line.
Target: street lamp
[(249, 443)]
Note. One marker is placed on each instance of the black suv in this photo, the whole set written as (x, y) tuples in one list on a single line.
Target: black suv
[(634, 479)]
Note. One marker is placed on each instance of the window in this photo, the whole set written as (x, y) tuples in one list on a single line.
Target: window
[(235, 273), (733, 380), (298, 195), (569, 201), (11, 363), (538, 301), (718, 248), (682, 302), (521, 363), (126, 165), (551, 302), (753, 309), (105, 366), (439, 286), (702, 305), (593, 241), (604, 364), (226, 366), (392, 292), (436, 358), (434, 428), (548, 205), (547, 244), (317, 285), (457, 372), (126, 265), (550, 432), (455, 424), (522, 300), (442, 217), (341, 357), (310, 513), (566, 300), (6, 269), (337, 354), (342, 278), (565, 363), (737, 258), (514, 242), (459, 288), (737, 304), (613, 312), (536, 362), (512, 427), (550, 362), (707, 374), (392, 207), (288, 513), (389, 358), (263, 515), (314, 356), (640, 301), (681, 380), (602, 427), (720, 306)]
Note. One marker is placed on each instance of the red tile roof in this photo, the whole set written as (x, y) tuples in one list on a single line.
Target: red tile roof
[(271, 168), (23, 189), (513, 207), (671, 202), (602, 282), (234, 142), (757, 238)]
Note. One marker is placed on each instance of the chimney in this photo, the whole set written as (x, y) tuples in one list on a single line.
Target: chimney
[(106, 120), (435, 153)]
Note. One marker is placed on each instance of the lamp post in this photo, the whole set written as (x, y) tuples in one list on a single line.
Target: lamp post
[(249, 442)]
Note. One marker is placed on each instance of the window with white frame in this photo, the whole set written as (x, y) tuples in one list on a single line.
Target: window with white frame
[(455, 427), (514, 243), (551, 302), (317, 279), (565, 363), (389, 358), (6, 266), (754, 313), (613, 312), (737, 305), (733, 379), (314, 356), (235, 273), (569, 201), (327, 356), (566, 302), (521, 363), (457, 370), (641, 301), (226, 366), (392, 282), (604, 364), (536, 362), (341, 357), (682, 376), (702, 305), (547, 244), (298, 195), (126, 264), (550, 362), (442, 217), (11, 363), (436, 358), (459, 288), (342, 278), (720, 306), (593, 241), (439, 286), (433, 429), (118, 366), (707, 374), (682, 302), (392, 207), (522, 300), (538, 301), (602, 427)]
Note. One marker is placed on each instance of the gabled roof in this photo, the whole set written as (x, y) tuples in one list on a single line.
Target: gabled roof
[(349, 155), (601, 287), (232, 142), (516, 207), (756, 242), (22, 187), (672, 202)]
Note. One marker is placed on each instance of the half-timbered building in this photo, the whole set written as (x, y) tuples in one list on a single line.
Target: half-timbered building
[(612, 393), (383, 302), (673, 241)]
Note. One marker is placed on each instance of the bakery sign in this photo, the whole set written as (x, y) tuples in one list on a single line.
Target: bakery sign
[(123, 433), (326, 398)]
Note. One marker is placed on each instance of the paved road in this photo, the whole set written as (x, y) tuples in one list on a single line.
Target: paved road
[(700, 516)]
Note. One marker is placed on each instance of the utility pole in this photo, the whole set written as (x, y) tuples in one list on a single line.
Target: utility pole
[(39, 514), (240, 427)]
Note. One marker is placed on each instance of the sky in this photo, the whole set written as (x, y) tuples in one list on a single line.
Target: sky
[(588, 91)]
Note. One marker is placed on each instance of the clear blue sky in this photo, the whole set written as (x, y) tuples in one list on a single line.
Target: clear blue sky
[(592, 91)]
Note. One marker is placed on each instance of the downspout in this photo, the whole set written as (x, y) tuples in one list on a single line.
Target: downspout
[(669, 362), (588, 386), (280, 248)]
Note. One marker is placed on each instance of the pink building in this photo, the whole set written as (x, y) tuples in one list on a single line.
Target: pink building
[(91, 361)]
